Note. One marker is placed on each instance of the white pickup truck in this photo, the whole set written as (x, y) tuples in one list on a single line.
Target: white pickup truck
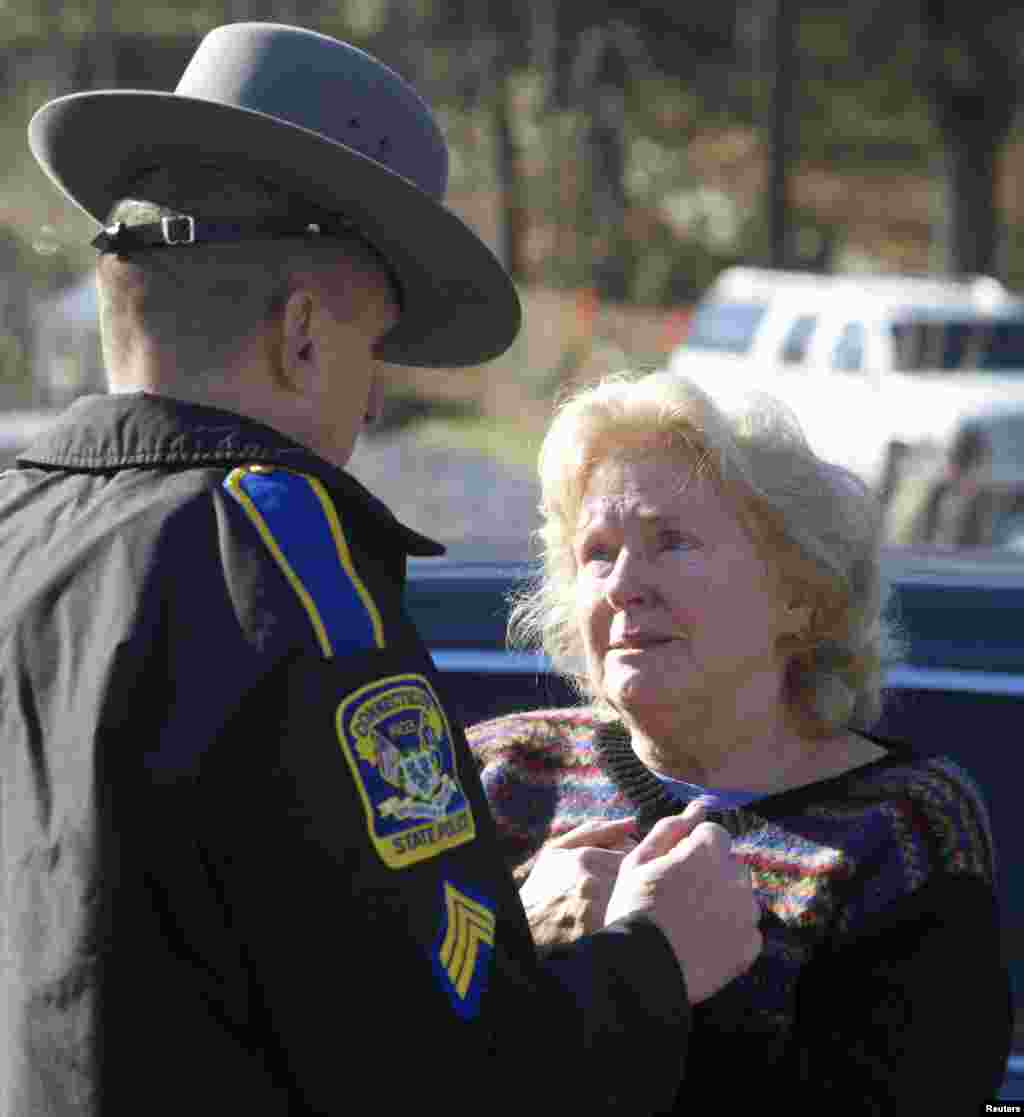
[(869, 365)]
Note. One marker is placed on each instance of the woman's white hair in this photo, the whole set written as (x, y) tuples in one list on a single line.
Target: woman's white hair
[(816, 524)]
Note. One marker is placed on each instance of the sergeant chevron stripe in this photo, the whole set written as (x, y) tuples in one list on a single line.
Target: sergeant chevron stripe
[(465, 951)]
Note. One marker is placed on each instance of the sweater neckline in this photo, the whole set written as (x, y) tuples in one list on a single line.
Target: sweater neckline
[(653, 802)]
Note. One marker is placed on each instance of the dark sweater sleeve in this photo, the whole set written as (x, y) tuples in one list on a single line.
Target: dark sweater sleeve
[(911, 1015), (914, 1014)]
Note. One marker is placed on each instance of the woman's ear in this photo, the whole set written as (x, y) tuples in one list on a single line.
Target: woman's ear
[(797, 618)]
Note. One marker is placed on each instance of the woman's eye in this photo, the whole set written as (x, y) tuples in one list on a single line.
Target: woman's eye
[(674, 541), (597, 553)]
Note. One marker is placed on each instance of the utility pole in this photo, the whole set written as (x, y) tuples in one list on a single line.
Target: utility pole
[(781, 26)]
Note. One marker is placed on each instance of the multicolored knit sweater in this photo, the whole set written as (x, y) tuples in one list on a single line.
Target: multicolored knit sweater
[(881, 987)]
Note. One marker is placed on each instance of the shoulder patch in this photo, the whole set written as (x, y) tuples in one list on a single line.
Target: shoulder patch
[(296, 518), (398, 744)]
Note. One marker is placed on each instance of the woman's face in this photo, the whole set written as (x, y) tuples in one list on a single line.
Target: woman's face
[(676, 610)]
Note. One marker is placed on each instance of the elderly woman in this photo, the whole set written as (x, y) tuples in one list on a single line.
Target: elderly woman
[(714, 590)]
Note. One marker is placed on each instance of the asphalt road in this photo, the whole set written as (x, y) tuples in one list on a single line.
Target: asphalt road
[(464, 499)]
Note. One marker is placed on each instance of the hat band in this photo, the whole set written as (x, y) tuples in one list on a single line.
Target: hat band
[(170, 232), (174, 232)]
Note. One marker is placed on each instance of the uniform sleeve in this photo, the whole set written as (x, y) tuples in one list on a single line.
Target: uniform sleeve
[(623, 1047), (347, 929), (335, 940)]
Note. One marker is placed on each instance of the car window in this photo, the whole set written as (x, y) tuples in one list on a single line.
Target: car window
[(848, 353), (728, 327), (798, 339), (1004, 441)]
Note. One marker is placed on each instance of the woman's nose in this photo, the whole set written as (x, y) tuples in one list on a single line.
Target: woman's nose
[(628, 583)]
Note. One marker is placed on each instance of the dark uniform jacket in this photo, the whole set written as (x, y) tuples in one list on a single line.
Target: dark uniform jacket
[(247, 864)]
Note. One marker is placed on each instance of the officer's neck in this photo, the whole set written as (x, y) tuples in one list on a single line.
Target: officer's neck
[(249, 385)]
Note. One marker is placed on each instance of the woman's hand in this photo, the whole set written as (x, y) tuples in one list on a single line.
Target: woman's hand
[(685, 877), (566, 894)]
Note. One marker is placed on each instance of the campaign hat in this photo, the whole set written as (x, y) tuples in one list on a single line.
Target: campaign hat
[(326, 122)]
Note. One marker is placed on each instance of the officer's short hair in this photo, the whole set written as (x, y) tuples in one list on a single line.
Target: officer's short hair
[(201, 302)]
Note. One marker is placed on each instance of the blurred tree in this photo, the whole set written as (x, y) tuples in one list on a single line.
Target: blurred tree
[(964, 59), (563, 102), (608, 57), (406, 37), (495, 61), (969, 69), (103, 43), (509, 168)]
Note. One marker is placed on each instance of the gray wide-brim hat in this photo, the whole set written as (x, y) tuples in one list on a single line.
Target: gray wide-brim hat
[(322, 120)]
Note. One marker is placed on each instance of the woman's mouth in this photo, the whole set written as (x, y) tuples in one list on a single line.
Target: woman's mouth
[(634, 643)]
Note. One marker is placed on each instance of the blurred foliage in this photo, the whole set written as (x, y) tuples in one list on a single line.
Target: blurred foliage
[(1012, 270), (692, 70), (28, 274)]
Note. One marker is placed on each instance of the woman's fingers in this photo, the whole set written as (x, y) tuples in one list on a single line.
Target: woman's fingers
[(602, 833), (667, 833), (621, 834)]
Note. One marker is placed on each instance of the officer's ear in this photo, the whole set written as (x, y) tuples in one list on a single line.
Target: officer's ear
[(296, 339)]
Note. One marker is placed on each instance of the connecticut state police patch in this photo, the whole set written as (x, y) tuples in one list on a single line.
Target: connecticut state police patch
[(398, 744)]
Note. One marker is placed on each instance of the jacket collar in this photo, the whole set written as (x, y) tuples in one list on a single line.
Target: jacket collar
[(138, 430)]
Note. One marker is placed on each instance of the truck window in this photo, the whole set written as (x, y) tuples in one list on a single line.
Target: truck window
[(1004, 350), (727, 327), (960, 345), (798, 339)]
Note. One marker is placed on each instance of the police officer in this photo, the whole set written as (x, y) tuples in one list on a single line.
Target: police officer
[(248, 866)]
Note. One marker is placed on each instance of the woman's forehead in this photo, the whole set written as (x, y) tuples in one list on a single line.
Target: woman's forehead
[(653, 476), (652, 488)]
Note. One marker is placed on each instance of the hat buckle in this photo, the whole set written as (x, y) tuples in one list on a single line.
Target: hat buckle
[(178, 230)]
